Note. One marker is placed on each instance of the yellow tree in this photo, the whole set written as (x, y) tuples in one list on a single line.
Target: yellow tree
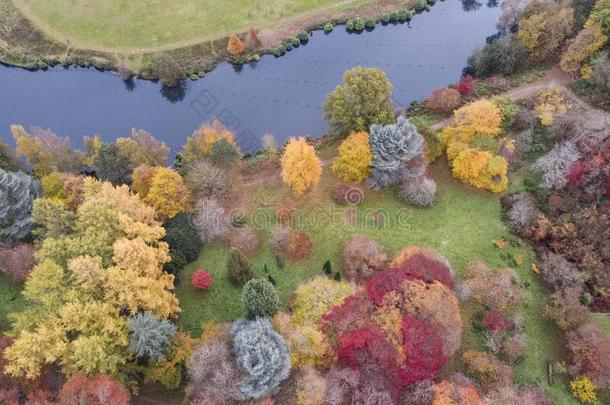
[(481, 117), (301, 168), (354, 158), (586, 43), (543, 27), (200, 143), (167, 193), (235, 46), (481, 169)]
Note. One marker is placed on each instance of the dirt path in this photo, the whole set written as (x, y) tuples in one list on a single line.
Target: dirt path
[(554, 78), (595, 120)]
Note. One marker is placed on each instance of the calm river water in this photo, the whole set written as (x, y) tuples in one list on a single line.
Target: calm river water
[(282, 96)]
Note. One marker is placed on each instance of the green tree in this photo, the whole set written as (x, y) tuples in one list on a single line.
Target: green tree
[(8, 159), (260, 299), (112, 165), (238, 267), (364, 99)]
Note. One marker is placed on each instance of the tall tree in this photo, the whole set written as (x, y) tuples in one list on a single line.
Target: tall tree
[(17, 194), (365, 98)]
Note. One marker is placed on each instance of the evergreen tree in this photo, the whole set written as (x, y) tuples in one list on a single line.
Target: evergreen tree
[(238, 267), (394, 147), (17, 194)]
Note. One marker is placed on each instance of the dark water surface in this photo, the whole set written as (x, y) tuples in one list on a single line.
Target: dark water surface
[(282, 96)]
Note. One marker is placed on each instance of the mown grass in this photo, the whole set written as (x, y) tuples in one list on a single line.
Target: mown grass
[(461, 226), (121, 24), (10, 300)]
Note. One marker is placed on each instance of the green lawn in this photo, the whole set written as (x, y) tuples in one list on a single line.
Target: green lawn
[(10, 300), (151, 23), (461, 226)]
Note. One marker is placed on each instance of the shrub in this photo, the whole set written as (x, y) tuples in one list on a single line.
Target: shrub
[(204, 180), (210, 221), (246, 240), (17, 261), (560, 273), (200, 143), (424, 350), (263, 356), (420, 5), (587, 42), (284, 212), (201, 280), (19, 192), (238, 267), (372, 91), (214, 375), (490, 372), (443, 99), (566, 309), (481, 169), (514, 347), (354, 158), (96, 390), (554, 166), (111, 165), (141, 178), (522, 213), (508, 110), (493, 289), (348, 195), (362, 257), (347, 386), (328, 27), (589, 350), (584, 390), (550, 104), (420, 192), (301, 167), (303, 36), (356, 24), (393, 146), (260, 299), (294, 245), (150, 336), (235, 46), (600, 75), (465, 85), (495, 321), (425, 263), (311, 387), (224, 154)]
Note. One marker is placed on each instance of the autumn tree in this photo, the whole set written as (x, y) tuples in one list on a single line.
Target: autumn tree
[(235, 46), (45, 151), (8, 159), (301, 167), (167, 193), (443, 99), (586, 43), (18, 192), (483, 116), (200, 143), (141, 179), (364, 99), (96, 265), (354, 158), (143, 148), (97, 390), (589, 349), (481, 169), (362, 257), (543, 27)]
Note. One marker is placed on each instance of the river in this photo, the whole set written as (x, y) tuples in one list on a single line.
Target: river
[(281, 96)]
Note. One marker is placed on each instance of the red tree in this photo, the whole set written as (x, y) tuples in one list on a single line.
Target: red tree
[(423, 349), (465, 85), (385, 281), (97, 390), (495, 321), (201, 280), (428, 269)]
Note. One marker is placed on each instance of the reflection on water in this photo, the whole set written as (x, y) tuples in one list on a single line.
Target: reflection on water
[(282, 96)]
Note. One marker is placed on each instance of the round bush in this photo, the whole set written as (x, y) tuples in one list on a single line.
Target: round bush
[(370, 24), (420, 192), (295, 42), (303, 36), (201, 280), (260, 298), (443, 99), (328, 27)]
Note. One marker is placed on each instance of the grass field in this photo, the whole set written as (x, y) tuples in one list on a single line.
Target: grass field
[(461, 226), (10, 300), (153, 23)]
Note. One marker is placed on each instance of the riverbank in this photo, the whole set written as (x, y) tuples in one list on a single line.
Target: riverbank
[(30, 36)]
